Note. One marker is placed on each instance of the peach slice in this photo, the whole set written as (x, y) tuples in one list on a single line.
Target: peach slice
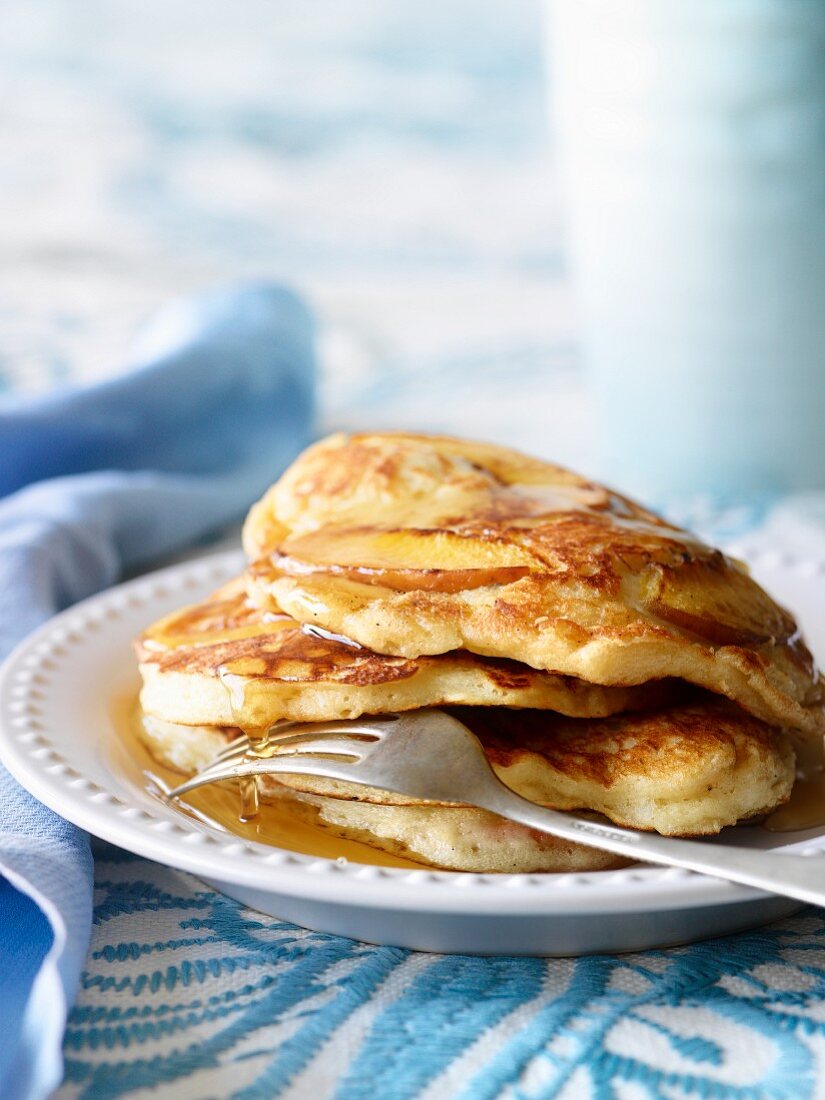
[(406, 558), (716, 600)]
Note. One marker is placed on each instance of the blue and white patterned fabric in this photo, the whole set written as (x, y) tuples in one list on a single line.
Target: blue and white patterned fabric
[(95, 480), (191, 994), (188, 994), (392, 161)]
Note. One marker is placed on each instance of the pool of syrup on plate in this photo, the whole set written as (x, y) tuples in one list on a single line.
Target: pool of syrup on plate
[(805, 809), (218, 805)]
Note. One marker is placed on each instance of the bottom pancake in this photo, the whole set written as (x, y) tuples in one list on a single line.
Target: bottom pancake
[(684, 771), (452, 838)]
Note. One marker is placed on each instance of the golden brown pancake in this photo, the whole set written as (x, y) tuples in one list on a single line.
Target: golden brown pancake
[(225, 662), (421, 545), (688, 770)]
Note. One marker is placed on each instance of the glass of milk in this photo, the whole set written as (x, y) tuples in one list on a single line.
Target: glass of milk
[(692, 141)]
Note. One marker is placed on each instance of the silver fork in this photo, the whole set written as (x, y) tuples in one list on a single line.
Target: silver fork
[(429, 754)]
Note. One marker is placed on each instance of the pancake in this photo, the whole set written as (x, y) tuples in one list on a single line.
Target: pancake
[(683, 771), (225, 662), (418, 545)]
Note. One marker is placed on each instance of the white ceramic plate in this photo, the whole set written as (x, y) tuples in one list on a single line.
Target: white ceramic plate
[(57, 737)]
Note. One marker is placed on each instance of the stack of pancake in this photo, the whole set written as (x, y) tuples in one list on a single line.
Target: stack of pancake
[(607, 660)]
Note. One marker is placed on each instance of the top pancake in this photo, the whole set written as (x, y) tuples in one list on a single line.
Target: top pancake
[(414, 545), (224, 662)]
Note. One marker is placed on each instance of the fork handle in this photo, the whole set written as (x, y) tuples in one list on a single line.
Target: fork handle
[(794, 876)]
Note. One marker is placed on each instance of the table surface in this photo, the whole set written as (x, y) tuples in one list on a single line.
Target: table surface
[(394, 162)]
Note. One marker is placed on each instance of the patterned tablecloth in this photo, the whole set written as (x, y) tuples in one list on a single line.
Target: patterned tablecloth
[(191, 993), (392, 161)]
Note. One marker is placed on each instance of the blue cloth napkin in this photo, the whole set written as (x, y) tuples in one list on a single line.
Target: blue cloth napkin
[(93, 481)]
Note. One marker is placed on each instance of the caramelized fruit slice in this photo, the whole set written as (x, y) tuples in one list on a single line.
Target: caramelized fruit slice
[(716, 600), (407, 558), (228, 617)]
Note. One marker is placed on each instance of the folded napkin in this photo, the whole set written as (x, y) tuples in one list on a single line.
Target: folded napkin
[(92, 481)]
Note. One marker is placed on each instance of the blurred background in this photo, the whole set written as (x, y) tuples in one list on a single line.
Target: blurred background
[(392, 161), (400, 165)]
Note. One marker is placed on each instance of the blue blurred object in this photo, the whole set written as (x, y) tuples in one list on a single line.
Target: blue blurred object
[(94, 480), (693, 141)]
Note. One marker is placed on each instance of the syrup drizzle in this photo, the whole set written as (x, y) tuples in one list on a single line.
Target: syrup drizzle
[(328, 635), (250, 787), (216, 806)]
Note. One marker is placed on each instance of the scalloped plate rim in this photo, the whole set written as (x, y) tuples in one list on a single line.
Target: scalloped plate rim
[(169, 837)]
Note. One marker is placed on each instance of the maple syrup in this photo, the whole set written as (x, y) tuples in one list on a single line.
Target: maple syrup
[(218, 805)]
